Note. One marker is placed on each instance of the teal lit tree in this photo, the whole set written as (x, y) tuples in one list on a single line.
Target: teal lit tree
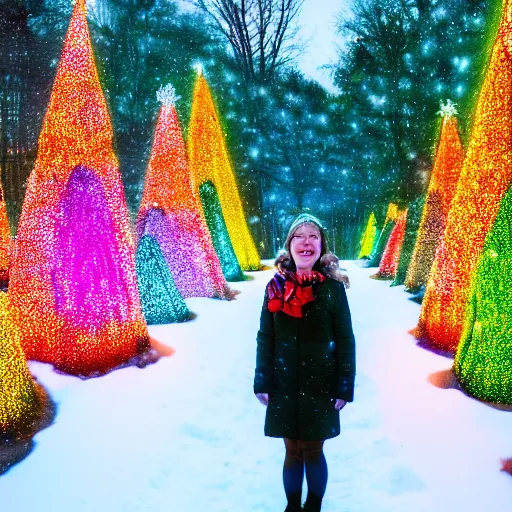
[(219, 232), (380, 244), (160, 299)]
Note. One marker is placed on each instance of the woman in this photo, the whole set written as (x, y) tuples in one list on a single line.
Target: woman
[(305, 362)]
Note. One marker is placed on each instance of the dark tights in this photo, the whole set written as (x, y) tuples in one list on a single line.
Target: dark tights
[(300, 454)]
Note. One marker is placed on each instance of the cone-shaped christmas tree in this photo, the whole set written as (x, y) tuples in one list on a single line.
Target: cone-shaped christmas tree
[(209, 161), (443, 182), (161, 300), (485, 176), (382, 240), (5, 243), (21, 400), (368, 237), (411, 232), (73, 284), (170, 211), (219, 232), (391, 256), (483, 363)]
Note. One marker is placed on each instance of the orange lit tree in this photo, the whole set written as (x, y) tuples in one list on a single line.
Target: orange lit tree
[(485, 176), (171, 213), (73, 284), (211, 169), (391, 256), (443, 182)]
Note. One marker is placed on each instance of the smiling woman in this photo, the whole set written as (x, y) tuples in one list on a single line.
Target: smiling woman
[(305, 362)]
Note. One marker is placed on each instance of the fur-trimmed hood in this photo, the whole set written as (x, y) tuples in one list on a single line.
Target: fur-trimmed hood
[(328, 264)]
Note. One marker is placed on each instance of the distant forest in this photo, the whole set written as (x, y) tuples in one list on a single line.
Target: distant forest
[(293, 144)]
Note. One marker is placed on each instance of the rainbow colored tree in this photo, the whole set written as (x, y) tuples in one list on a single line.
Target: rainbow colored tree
[(22, 401), (171, 213), (368, 238), (483, 362), (443, 183), (411, 232), (73, 285), (391, 255), (382, 240), (210, 165), (485, 176)]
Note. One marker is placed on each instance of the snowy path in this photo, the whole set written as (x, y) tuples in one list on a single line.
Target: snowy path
[(186, 434)]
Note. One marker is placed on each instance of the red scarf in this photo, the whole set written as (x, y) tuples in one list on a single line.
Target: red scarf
[(288, 292)]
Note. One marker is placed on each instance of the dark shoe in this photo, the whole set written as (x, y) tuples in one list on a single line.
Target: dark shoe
[(294, 503), (313, 503)]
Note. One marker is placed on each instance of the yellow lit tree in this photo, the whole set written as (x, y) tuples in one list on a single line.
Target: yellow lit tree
[(485, 176), (443, 182), (368, 237), (22, 401), (210, 164)]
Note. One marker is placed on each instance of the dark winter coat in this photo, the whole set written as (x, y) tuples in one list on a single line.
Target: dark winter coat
[(304, 364)]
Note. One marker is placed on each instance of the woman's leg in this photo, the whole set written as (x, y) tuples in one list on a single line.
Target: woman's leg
[(316, 474), (293, 474)]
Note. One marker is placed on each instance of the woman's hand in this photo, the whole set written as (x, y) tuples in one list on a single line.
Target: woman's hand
[(262, 397), (340, 404)]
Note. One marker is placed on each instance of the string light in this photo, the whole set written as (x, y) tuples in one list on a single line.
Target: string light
[(161, 300), (209, 162), (411, 231), (485, 176), (483, 362), (21, 400), (391, 254), (170, 210), (382, 239), (73, 285), (368, 238), (443, 183), (5, 243)]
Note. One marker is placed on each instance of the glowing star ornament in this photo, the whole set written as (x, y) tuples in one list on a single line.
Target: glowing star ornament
[(170, 210), (411, 232), (161, 300), (209, 162), (483, 362), (443, 182), (73, 285), (5, 243), (485, 176), (368, 237), (22, 401), (391, 256), (382, 240)]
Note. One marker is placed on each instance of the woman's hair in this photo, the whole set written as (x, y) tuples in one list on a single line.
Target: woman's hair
[(327, 264)]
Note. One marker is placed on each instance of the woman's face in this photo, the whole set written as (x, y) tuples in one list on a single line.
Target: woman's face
[(306, 246)]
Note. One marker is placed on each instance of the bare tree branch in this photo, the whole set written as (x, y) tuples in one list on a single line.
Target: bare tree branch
[(260, 32)]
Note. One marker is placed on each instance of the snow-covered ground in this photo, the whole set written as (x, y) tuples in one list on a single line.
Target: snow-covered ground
[(186, 434)]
